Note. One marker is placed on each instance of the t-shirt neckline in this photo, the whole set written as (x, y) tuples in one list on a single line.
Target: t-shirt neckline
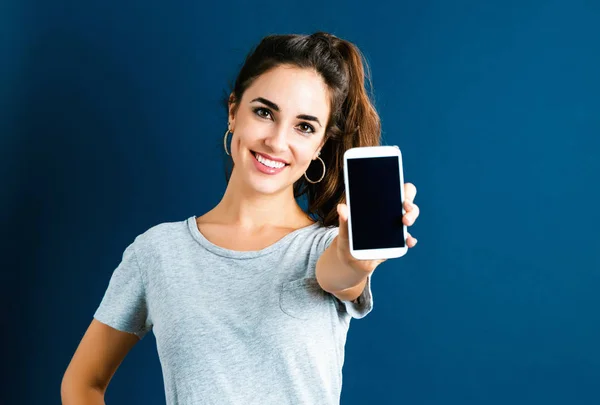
[(239, 254)]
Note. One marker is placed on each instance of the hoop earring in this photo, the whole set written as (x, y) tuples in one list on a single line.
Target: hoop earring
[(323, 175), (225, 141)]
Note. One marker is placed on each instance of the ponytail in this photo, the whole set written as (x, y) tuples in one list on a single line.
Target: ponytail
[(356, 124)]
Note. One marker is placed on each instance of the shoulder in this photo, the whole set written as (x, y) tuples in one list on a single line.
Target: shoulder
[(159, 235), (320, 236), (328, 233)]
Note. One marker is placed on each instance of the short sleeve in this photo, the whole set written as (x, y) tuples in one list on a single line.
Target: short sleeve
[(364, 303), (124, 305)]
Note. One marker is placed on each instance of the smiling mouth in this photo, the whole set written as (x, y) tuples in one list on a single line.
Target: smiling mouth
[(256, 157)]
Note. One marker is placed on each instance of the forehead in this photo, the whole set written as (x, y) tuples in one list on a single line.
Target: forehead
[(294, 90)]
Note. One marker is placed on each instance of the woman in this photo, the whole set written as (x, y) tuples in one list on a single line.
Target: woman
[(251, 302)]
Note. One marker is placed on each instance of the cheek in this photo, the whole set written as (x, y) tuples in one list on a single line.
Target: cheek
[(304, 152), (241, 138), (248, 134), (301, 160)]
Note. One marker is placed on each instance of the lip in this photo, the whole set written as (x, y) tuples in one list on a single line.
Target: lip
[(271, 157), (265, 169)]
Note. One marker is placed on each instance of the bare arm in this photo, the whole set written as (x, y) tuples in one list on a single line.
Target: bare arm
[(337, 278), (99, 354)]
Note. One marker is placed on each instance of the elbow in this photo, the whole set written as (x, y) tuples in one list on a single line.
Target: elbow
[(65, 391), (73, 392), (68, 388)]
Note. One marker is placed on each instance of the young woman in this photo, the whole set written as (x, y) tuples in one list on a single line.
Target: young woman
[(251, 302)]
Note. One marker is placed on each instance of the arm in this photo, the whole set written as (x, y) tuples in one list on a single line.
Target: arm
[(100, 352), (337, 277)]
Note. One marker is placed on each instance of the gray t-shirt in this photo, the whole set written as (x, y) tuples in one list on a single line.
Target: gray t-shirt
[(234, 327)]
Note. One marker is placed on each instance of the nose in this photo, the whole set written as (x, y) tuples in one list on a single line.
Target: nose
[(277, 139)]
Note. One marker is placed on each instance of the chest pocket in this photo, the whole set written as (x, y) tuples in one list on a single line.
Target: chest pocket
[(304, 299)]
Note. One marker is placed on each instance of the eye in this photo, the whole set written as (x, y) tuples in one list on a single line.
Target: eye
[(262, 112), (307, 129)]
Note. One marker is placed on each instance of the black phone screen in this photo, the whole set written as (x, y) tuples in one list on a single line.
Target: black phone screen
[(375, 202)]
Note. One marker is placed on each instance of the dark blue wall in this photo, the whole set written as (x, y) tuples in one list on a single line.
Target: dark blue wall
[(111, 122)]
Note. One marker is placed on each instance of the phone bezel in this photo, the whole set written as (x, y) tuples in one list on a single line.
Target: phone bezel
[(374, 152)]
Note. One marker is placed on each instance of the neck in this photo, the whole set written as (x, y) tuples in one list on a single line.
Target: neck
[(249, 210)]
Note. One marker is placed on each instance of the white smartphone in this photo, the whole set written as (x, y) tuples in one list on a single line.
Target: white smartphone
[(374, 183)]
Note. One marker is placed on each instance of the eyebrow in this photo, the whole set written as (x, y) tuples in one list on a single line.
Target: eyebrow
[(276, 108)]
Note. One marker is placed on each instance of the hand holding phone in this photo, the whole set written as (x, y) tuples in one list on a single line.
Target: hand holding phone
[(374, 184)]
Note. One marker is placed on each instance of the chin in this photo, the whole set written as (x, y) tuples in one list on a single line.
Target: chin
[(266, 186)]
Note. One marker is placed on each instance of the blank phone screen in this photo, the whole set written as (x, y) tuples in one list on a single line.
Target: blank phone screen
[(375, 203)]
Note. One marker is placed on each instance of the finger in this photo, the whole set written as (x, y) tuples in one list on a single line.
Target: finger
[(411, 216), (410, 240), (410, 192), (342, 210)]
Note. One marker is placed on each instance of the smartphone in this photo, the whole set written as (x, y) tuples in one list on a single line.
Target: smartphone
[(374, 184)]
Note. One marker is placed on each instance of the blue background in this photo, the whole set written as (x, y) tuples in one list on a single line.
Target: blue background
[(111, 122)]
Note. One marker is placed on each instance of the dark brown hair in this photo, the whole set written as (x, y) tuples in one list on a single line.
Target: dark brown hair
[(353, 120)]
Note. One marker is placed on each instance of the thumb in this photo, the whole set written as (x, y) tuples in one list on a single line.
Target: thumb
[(342, 210)]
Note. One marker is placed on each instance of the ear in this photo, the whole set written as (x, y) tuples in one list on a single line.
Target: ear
[(232, 107), (318, 152)]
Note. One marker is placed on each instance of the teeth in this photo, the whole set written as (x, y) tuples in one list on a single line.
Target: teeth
[(267, 162)]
